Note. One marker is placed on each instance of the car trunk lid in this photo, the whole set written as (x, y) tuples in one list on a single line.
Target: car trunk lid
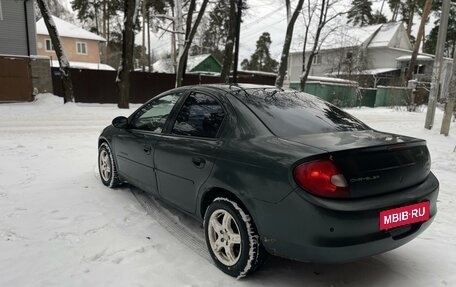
[(373, 162)]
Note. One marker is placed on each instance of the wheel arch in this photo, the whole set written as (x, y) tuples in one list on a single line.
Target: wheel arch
[(215, 192), (103, 140)]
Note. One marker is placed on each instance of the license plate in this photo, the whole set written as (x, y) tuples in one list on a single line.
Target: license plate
[(404, 215)]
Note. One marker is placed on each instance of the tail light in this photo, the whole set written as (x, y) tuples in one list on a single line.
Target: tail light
[(321, 178)]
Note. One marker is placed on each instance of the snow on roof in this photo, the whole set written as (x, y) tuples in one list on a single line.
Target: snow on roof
[(259, 72), (83, 65), (349, 37), (384, 35), (379, 35), (406, 58), (166, 65), (330, 79), (67, 29), (366, 72)]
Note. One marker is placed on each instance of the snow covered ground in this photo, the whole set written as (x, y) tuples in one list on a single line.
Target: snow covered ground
[(59, 226)]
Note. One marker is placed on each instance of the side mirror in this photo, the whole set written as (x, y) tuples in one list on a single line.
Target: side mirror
[(120, 122)]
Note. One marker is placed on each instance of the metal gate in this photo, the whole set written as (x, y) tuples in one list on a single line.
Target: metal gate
[(15, 79)]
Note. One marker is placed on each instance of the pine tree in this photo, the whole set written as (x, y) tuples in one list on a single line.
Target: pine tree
[(450, 43), (379, 18), (261, 59), (360, 13), (216, 32), (56, 9)]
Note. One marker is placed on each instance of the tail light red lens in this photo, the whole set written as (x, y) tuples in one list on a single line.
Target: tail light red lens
[(321, 178)]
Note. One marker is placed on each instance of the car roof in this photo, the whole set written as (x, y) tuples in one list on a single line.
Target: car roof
[(232, 87)]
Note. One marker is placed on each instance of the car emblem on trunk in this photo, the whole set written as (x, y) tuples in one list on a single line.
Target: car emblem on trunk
[(366, 178)]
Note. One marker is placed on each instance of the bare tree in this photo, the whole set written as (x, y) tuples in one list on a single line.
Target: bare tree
[(228, 54), (322, 12), (182, 61), (188, 27), (63, 60), (286, 45), (126, 65)]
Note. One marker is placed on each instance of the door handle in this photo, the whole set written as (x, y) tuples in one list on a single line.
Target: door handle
[(199, 162), (147, 149)]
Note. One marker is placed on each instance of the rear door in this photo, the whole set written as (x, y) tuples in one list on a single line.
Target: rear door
[(134, 147), (185, 156)]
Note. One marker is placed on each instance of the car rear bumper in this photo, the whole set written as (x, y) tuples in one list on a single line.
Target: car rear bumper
[(305, 228)]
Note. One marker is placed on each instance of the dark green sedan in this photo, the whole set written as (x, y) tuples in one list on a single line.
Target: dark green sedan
[(271, 171)]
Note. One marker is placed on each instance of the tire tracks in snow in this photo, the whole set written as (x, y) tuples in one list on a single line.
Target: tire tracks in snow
[(168, 219)]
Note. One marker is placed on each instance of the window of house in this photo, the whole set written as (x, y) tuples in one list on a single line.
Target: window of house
[(81, 48), (317, 60), (48, 45), (419, 69), (1, 11), (349, 55)]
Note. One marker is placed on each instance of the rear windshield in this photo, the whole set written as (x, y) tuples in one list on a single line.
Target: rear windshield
[(289, 113)]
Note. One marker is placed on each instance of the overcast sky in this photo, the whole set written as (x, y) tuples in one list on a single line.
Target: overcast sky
[(269, 16)]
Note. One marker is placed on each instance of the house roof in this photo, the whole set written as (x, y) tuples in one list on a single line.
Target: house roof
[(373, 36), (385, 35), (67, 29), (166, 65)]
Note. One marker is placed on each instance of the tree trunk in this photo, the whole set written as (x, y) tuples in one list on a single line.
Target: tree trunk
[(306, 35), (126, 65), (63, 61), (143, 51), (288, 7), (419, 37), (183, 58), (449, 108), (286, 46), (321, 23), (228, 54), (411, 16), (188, 27), (179, 27), (149, 52)]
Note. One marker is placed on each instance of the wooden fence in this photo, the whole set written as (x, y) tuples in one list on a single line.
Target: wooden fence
[(98, 86)]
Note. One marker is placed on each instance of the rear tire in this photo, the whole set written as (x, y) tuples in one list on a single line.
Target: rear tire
[(232, 239), (107, 166)]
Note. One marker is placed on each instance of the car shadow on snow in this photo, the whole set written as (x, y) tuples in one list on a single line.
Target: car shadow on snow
[(276, 271), (366, 272)]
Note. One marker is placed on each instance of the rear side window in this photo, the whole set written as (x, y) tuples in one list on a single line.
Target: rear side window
[(289, 113), (200, 116)]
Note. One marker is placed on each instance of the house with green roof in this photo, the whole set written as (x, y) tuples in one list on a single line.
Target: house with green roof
[(203, 64)]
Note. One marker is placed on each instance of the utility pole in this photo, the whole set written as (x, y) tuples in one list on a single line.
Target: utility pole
[(238, 32), (430, 114), (445, 128)]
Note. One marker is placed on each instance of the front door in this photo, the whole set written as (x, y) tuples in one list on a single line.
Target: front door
[(184, 158), (135, 147)]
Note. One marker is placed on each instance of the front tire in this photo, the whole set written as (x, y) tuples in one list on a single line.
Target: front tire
[(232, 238), (107, 166)]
